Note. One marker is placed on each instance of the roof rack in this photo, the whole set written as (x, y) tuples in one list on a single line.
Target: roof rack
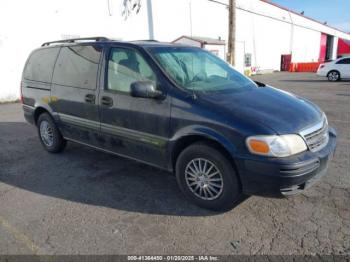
[(74, 40), (145, 40)]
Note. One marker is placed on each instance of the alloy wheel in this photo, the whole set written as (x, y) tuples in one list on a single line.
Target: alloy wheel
[(204, 179), (46, 133), (333, 76)]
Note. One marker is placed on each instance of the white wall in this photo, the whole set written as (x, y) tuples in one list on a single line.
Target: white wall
[(264, 38), (219, 50), (306, 46), (263, 30), (25, 25), (269, 31)]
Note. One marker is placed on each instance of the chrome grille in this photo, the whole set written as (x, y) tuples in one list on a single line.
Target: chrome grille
[(317, 136)]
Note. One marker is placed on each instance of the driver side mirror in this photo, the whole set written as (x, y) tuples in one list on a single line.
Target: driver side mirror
[(145, 89)]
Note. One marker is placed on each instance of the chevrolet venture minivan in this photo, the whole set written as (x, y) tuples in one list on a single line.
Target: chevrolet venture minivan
[(178, 108)]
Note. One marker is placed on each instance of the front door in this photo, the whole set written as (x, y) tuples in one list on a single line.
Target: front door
[(132, 126)]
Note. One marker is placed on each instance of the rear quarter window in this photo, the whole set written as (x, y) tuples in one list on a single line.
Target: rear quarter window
[(40, 65), (77, 66)]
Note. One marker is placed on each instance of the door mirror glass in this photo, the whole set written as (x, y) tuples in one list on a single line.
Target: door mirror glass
[(144, 89)]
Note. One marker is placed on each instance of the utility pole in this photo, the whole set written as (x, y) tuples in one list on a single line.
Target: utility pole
[(150, 20), (231, 32)]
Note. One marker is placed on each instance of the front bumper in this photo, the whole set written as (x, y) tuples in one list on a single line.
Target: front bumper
[(285, 176)]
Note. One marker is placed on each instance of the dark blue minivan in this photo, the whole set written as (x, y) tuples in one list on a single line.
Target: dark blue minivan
[(181, 109)]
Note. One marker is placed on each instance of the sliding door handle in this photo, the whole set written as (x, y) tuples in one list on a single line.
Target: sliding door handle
[(106, 101)]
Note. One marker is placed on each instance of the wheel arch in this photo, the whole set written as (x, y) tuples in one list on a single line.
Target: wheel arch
[(207, 136), (334, 70), (38, 111), (191, 139)]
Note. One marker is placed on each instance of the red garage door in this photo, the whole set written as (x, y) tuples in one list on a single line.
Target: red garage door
[(323, 49), (285, 62)]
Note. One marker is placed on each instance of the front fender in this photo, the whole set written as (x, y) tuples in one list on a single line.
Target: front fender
[(207, 133)]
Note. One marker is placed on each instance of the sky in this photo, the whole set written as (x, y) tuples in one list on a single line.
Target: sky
[(335, 12)]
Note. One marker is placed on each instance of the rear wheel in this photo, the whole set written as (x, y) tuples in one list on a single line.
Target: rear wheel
[(333, 76), (207, 177), (50, 136)]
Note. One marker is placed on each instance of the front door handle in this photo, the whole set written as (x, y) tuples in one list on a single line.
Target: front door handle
[(107, 101), (90, 98)]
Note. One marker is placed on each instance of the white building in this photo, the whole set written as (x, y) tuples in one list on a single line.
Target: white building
[(215, 46), (265, 31)]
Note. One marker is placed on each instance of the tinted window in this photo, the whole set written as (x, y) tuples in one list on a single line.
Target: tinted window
[(77, 66), (40, 65), (344, 61), (126, 66)]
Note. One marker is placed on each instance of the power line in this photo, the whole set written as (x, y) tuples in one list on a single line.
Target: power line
[(218, 2)]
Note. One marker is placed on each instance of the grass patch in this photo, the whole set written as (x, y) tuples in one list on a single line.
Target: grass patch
[(9, 102)]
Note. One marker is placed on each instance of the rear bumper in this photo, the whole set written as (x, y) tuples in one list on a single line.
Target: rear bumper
[(28, 112), (285, 176)]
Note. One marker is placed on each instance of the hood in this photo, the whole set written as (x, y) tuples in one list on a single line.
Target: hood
[(281, 111)]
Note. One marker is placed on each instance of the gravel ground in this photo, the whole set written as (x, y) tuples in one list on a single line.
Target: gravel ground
[(87, 202)]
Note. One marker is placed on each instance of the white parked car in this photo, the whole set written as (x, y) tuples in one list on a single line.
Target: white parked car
[(335, 70)]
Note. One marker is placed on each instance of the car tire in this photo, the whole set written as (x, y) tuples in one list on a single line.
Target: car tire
[(49, 135), (207, 160), (333, 76)]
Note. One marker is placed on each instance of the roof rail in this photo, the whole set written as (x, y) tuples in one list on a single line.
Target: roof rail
[(145, 40), (73, 40)]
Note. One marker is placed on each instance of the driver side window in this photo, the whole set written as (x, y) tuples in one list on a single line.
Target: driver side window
[(126, 66), (187, 68)]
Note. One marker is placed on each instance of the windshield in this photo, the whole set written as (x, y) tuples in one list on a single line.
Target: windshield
[(198, 70)]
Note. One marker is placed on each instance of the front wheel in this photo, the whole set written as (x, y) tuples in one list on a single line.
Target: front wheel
[(333, 76), (207, 177), (50, 136)]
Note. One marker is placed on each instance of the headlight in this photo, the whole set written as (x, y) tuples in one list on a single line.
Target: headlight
[(325, 118), (276, 146)]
